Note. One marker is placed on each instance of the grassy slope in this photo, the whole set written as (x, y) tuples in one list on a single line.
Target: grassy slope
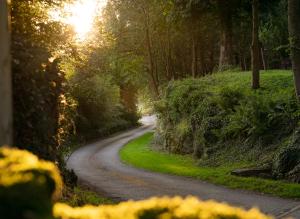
[(139, 154), (270, 80), (184, 101)]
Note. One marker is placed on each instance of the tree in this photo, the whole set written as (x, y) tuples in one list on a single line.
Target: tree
[(255, 46), (294, 32), (273, 33), (129, 21), (178, 38), (149, 43), (5, 77), (225, 9), (194, 13), (39, 105)]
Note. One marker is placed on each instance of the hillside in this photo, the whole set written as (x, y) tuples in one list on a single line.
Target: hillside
[(221, 120)]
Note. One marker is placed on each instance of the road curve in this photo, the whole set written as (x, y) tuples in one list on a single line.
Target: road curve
[(98, 166)]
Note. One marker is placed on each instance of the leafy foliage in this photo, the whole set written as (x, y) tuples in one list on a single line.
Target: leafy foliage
[(100, 112), (173, 208), (22, 176), (43, 108), (287, 160), (61, 89), (219, 110)]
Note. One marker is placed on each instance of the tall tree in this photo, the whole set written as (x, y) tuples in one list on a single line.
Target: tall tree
[(147, 28), (37, 82), (255, 45), (294, 31), (225, 9), (5, 77)]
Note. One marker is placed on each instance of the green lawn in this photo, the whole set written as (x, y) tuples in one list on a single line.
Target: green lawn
[(138, 153)]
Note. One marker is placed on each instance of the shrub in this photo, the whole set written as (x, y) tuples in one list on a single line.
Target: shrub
[(96, 97), (204, 116), (43, 109), (294, 175), (28, 186), (230, 97), (100, 112), (259, 116), (155, 208), (287, 162)]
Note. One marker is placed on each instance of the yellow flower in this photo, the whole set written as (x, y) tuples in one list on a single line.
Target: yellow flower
[(158, 208)]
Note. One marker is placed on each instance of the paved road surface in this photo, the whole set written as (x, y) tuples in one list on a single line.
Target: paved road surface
[(98, 166)]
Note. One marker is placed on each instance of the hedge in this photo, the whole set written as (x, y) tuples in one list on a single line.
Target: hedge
[(27, 185)]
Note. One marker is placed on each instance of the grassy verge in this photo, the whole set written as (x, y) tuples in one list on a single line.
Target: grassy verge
[(139, 153), (81, 196)]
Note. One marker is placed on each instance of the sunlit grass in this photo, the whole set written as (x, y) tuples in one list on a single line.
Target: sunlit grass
[(139, 153)]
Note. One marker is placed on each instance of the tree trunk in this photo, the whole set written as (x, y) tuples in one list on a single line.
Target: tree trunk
[(128, 95), (255, 46), (165, 58), (194, 57), (170, 67), (263, 57), (294, 32), (5, 77), (150, 55), (226, 44)]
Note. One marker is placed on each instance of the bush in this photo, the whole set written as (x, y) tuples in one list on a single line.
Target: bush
[(155, 208), (262, 117), (294, 175), (287, 162), (99, 110), (28, 186), (43, 109), (96, 98)]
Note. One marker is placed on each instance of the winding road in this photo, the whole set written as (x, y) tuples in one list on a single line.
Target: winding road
[(98, 166)]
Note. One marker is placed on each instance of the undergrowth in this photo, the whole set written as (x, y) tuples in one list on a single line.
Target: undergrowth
[(219, 116)]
